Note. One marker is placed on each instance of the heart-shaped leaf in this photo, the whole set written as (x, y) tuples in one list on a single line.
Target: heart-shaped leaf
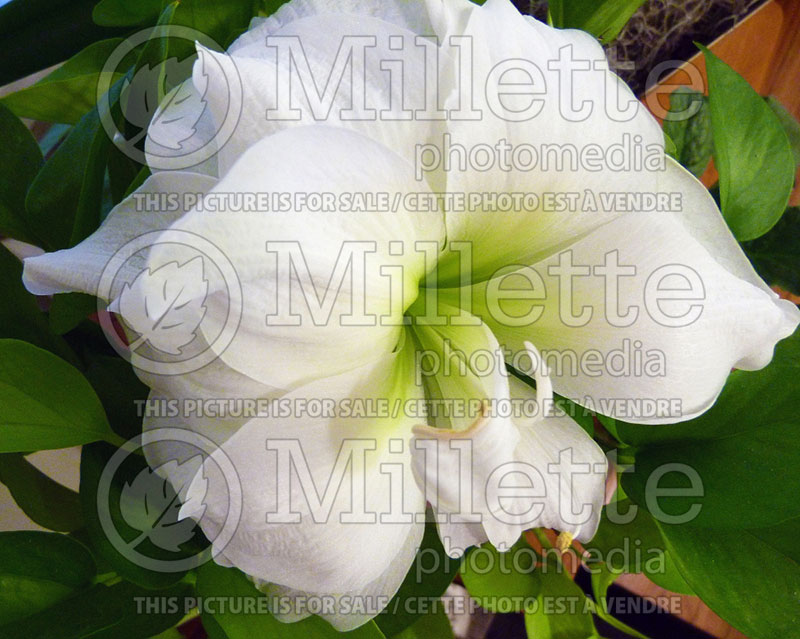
[(751, 152)]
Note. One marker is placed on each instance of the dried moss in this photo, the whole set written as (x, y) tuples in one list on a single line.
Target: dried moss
[(663, 30)]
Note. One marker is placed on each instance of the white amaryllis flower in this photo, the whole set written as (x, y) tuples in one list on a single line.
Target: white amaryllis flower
[(404, 320)]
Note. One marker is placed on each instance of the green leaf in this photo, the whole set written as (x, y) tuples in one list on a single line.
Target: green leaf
[(776, 254), (745, 576), (741, 480), (609, 423), (669, 146), (67, 93), (216, 581), (130, 521), (562, 611), (212, 628), (165, 62), (105, 612), (688, 125), (64, 200), (35, 412), (604, 19), (119, 390), (744, 450), (751, 152), (434, 625), (790, 125), (513, 576), (20, 315), (20, 158), (602, 578), (37, 569), (67, 310), (222, 21), (429, 576), (122, 174), (629, 541), (44, 500), (126, 13)]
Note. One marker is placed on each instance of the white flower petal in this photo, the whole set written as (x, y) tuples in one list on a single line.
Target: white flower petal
[(503, 234), (729, 323), (385, 112), (182, 133), (347, 607), (298, 555), (320, 341), (574, 501), (479, 480), (213, 402), (79, 269), (21, 250), (412, 16), (702, 218)]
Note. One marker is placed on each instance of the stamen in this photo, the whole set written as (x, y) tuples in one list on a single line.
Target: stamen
[(564, 541), (544, 387)]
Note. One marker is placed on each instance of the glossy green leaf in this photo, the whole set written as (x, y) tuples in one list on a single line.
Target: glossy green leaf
[(434, 625), (21, 159), (67, 93), (602, 578), (732, 481), (122, 173), (745, 576), (165, 62), (133, 519), (603, 18), (64, 200), (124, 13), (35, 412), (429, 576), (609, 423), (751, 152), (216, 581), (562, 610), (20, 315), (688, 125), (120, 391), (44, 500), (628, 540), (776, 254), (743, 450), (37, 569), (212, 628), (502, 582), (790, 125), (105, 612), (222, 21), (67, 310)]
